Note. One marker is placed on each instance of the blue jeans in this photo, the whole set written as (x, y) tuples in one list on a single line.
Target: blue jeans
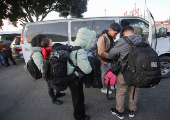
[(2, 59)]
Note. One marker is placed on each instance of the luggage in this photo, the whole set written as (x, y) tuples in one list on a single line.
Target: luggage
[(110, 80), (55, 69), (142, 65), (95, 49), (33, 70)]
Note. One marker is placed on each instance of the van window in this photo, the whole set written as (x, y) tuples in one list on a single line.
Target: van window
[(143, 28), (57, 32), (97, 25)]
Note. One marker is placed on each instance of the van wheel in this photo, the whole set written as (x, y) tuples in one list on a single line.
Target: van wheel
[(165, 66)]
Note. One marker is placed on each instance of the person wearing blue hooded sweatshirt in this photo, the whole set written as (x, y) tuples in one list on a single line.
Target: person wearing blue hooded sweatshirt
[(85, 39)]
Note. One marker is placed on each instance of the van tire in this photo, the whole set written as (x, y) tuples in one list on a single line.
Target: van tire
[(165, 66)]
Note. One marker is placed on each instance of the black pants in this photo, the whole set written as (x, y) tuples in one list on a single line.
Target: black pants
[(76, 88), (11, 58), (51, 91)]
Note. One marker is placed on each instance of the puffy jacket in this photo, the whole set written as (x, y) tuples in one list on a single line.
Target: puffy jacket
[(37, 56), (86, 39)]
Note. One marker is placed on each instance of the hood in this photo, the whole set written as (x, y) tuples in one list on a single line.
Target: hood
[(135, 38), (35, 49), (85, 38)]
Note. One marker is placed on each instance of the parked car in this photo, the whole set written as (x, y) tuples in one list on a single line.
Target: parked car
[(16, 48), (64, 31)]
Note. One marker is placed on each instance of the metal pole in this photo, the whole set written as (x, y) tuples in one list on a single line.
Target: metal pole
[(105, 12), (144, 9)]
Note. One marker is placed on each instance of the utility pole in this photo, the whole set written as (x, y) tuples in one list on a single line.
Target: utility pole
[(105, 12), (144, 9)]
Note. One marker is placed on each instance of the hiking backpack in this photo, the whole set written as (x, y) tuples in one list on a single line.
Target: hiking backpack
[(95, 48), (142, 65), (55, 69), (33, 70)]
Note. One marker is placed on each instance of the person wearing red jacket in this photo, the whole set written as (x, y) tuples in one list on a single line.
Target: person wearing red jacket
[(46, 50)]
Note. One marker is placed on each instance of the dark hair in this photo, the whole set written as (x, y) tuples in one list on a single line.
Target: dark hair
[(130, 28), (36, 41), (115, 26), (45, 42), (105, 31)]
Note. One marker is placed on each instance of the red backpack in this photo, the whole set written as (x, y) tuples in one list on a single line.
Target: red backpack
[(110, 80)]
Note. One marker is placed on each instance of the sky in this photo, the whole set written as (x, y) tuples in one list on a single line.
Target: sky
[(160, 10)]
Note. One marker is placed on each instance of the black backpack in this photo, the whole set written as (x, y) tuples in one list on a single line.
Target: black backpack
[(142, 65), (55, 69), (95, 49), (33, 70)]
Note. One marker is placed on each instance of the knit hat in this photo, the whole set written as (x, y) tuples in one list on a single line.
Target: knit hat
[(36, 41)]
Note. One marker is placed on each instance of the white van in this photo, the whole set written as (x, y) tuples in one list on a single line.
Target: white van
[(64, 31)]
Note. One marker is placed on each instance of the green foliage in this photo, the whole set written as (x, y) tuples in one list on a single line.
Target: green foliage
[(73, 7), (26, 10)]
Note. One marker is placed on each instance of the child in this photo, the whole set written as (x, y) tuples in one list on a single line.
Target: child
[(46, 50)]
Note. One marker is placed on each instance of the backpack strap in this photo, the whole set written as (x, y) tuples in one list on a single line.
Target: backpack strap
[(76, 68), (133, 93), (127, 40), (105, 40), (75, 48), (108, 90)]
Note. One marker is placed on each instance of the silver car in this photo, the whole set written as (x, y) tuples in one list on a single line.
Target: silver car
[(17, 48)]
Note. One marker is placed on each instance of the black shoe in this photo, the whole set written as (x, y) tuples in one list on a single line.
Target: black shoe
[(60, 95), (86, 117), (118, 114), (6, 65), (131, 113), (58, 102)]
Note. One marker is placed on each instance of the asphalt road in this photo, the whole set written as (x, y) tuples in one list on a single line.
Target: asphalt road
[(22, 98)]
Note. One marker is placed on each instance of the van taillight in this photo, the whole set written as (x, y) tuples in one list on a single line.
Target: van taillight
[(18, 48), (22, 38)]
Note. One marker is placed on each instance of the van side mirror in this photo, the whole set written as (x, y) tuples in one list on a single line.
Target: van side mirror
[(162, 32)]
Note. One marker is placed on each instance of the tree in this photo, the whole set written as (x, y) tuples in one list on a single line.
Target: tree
[(3, 10), (73, 7), (36, 10)]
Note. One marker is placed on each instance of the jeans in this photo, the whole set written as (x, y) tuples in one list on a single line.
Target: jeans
[(104, 69), (1, 59), (51, 91)]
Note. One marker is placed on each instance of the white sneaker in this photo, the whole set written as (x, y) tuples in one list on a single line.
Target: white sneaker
[(112, 87), (105, 91)]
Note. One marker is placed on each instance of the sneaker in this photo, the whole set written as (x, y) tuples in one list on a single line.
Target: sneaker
[(118, 114), (105, 91), (131, 113), (58, 102), (113, 87)]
